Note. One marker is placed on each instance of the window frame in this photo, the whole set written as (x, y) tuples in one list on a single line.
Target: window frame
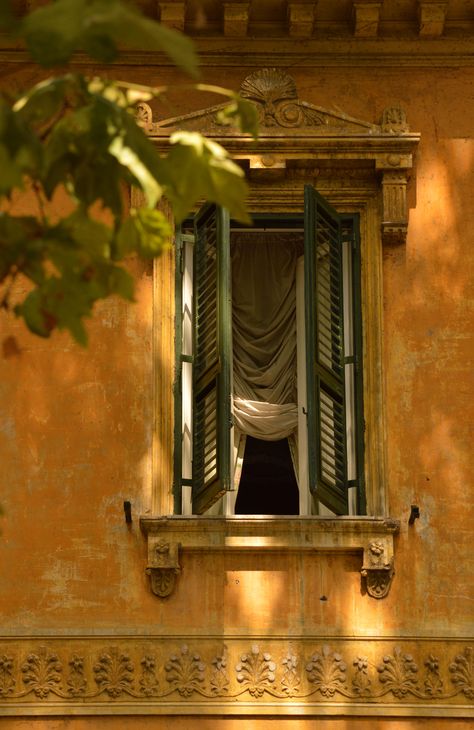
[(349, 250)]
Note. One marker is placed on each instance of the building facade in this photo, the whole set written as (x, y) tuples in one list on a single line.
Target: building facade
[(122, 607)]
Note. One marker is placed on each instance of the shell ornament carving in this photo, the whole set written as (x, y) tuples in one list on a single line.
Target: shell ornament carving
[(276, 96), (268, 86)]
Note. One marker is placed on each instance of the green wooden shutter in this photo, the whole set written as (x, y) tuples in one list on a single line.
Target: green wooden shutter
[(212, 358), (327, 447), (353, 356)]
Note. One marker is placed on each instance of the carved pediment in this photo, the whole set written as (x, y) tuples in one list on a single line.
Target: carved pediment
[(293, 130), (279, 109)]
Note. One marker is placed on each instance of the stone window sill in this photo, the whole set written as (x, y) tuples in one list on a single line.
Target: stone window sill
[(168, 537)]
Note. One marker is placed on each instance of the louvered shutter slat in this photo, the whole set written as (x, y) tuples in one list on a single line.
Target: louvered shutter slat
[(325, 347), (212, 358)]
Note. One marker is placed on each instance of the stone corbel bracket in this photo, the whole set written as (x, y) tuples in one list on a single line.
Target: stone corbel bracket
[(163, 565), (378, 567), (395, 170), (168, 536)]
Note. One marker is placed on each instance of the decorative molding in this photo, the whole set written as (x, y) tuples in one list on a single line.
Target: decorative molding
[(455, 50), (432, 17), (301, 18), (238, 675), (236, 18), (169, 536), (172, 13), (366, 18), (291, 129)]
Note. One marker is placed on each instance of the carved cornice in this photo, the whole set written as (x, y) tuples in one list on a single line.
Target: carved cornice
[(168, 537), (218, 52), (236, 675)]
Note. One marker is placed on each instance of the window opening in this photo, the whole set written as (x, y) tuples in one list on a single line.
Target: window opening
[(268, 483), (269, 396)]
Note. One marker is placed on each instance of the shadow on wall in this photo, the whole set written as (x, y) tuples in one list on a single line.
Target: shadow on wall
[(76, 443)]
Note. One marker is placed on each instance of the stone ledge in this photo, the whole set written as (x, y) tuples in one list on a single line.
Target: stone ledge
[(169, 536)]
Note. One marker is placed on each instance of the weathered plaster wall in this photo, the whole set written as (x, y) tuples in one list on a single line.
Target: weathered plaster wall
[(76, 439)]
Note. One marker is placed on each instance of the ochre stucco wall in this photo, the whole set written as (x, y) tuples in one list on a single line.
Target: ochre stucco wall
[(76, 440)]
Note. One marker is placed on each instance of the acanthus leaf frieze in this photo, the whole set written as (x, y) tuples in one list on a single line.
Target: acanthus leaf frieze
[(200, 670)]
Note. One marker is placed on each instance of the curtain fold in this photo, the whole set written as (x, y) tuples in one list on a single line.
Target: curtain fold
[(264, 334)]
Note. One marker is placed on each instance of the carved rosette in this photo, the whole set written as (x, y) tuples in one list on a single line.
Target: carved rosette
[(378, 568), (163, 566)]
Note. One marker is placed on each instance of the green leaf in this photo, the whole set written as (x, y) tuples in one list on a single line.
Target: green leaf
[(121, 282), (20, 150), (131, 160), (37, 319), (136, 31), (200, 169), (87, 234), (46, 99), (241, 112), (8, 21), (54, 32)]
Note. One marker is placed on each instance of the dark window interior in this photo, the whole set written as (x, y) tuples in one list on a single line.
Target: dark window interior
[(268, 484)]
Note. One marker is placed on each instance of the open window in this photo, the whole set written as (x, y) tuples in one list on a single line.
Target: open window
[(270, 416)]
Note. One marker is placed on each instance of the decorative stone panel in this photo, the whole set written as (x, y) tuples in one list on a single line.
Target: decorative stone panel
[(236, 675)]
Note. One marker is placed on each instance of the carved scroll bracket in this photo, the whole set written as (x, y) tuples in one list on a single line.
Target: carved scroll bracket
[(394, 168), (378, 566), (163, 566)]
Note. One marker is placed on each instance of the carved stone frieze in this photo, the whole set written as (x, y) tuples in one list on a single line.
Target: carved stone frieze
[(237, 675)]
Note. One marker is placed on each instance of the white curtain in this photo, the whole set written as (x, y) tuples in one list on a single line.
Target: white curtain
[(264, 334)]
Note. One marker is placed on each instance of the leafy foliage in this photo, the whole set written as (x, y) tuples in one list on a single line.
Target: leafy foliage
[(80, 135)]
